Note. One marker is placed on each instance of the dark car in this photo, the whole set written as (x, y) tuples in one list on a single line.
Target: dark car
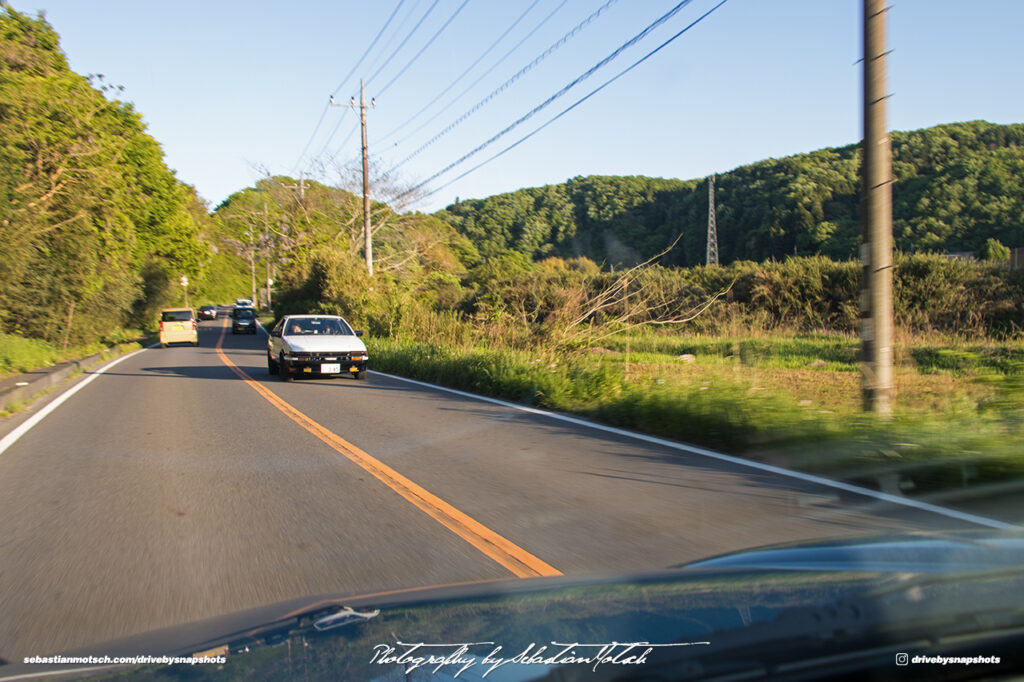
[(208, 312), (243, 321)]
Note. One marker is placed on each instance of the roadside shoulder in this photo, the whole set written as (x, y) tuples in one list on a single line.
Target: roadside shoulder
[(18, 391)]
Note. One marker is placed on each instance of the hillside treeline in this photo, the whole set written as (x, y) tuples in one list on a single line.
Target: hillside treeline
[(96, 230), (956, 186)]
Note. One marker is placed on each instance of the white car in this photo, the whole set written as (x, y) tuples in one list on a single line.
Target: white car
[(323, 345)]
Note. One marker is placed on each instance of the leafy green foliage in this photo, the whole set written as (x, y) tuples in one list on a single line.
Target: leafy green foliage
[(94, 224), (993, 250)]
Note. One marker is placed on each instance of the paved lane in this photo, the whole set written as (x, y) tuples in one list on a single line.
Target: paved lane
[(169, 490)]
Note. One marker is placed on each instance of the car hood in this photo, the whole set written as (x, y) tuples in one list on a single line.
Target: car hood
[(912, 553), (759, 614), (324, 344)]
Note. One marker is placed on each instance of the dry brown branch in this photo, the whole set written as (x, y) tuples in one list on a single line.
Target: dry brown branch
[(636, 305)]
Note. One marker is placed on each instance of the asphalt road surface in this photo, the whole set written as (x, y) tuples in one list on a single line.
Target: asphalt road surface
[(173, 488)]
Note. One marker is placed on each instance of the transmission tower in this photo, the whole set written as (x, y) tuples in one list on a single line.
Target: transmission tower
[(712, 227)]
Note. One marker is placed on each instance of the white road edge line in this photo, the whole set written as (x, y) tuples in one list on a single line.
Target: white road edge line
[(760, 466), (23, 428)]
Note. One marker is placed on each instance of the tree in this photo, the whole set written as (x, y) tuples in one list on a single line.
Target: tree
[(994, 251), (90, 215)]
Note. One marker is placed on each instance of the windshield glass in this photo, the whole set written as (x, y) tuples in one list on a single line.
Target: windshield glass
[(319, 326), (534, 290)]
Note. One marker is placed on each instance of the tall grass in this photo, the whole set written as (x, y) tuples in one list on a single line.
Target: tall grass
[(752, 396)]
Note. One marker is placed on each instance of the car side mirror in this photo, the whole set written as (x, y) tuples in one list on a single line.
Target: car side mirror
[(276, 333), (359, 332)]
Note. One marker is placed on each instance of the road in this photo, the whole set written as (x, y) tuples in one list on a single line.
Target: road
[(174, 487)]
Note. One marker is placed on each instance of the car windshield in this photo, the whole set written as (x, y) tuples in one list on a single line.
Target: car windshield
[(245, 314), (176, 316), (317, 326)]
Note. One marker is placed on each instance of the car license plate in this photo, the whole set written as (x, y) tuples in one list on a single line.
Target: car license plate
[(330, 368)]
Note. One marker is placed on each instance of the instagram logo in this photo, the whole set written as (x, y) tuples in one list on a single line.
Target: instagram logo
[(901, 659)]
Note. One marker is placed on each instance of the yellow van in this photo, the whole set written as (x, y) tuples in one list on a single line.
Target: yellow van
[(178, 325)]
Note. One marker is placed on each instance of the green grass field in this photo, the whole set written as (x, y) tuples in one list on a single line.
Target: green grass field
[(788, 398)]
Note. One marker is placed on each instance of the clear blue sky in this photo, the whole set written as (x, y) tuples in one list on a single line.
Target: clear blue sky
[(233, 88)]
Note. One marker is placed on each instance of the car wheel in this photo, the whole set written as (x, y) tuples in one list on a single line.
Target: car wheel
[(272, 366), (283, 369), (361, 376)]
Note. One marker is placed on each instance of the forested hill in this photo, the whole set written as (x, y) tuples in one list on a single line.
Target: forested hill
[(96, 230), (957, 185)]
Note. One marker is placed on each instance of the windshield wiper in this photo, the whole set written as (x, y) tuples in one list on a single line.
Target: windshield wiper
[(344, 617)]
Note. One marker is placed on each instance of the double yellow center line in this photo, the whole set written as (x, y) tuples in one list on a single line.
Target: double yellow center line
[(516, 559)]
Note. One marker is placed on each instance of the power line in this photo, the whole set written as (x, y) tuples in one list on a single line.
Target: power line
[(579, 79), (398, 31), (334, 132), (463, 74), (424, 48), (387, 61), (316, 129), (565, 111), (487, 72), (374, 42), (504, 86), (404, 41), (355, 66)]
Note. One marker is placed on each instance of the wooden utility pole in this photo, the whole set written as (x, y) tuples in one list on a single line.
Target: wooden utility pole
[(252, 261), (367, 234), (266, 245), (876, 330)]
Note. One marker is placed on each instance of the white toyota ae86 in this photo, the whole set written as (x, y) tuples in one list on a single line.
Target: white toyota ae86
[(322, 345)]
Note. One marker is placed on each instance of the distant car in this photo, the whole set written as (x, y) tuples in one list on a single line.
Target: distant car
[(324, 345), (178, 325), (243, 302), (243, 321), (208, 312)]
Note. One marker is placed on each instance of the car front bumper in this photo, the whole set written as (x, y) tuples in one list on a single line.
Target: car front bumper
[(327, 363)]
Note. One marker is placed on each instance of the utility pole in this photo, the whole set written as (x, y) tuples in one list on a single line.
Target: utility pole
[(266, 244), (712, 256), (367, 235), (252, 261), (301, 186), (876, 330)]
